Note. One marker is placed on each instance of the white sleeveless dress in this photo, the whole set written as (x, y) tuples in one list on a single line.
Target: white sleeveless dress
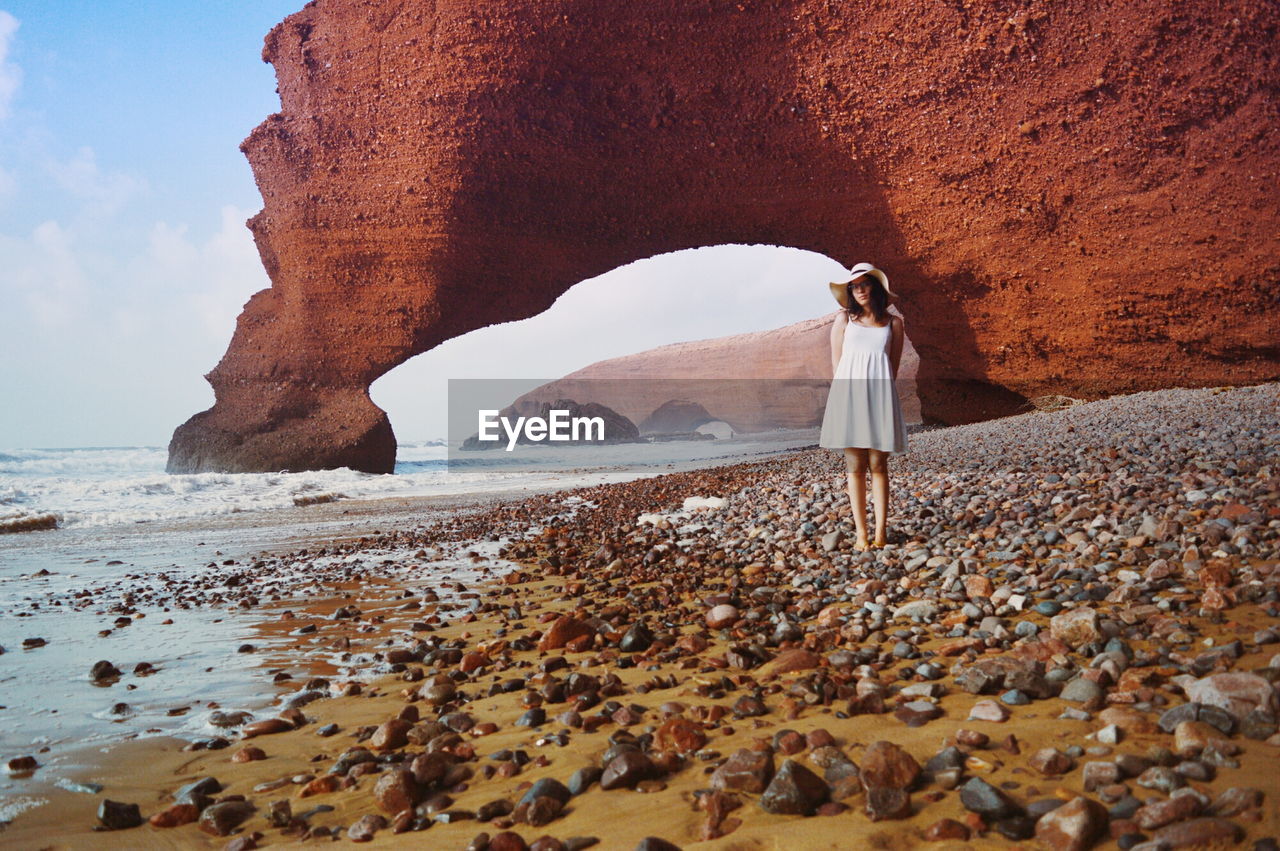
[(863, 410)]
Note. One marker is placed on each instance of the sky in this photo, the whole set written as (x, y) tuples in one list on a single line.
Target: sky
[(124, 258)]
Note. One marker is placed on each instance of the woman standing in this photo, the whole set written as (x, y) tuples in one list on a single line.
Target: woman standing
[(863, 416)]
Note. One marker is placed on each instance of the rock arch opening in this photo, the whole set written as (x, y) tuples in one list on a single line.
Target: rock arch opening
[(728, 311)]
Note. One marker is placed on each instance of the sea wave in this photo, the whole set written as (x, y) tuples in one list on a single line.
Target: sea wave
[(82, 461), (108, 486)]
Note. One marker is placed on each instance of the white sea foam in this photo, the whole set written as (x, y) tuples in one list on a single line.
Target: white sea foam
[(11, 808), (93, 487)]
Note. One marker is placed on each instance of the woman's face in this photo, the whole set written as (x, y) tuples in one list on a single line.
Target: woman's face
[(860, 289)]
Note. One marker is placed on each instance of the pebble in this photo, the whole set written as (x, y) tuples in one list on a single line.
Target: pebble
[(888, 765), (794, 790), (267, 726), (744, 771), (981, 797), (722, 616), (917, 713), (1109, 735), (175, 816), (1081, 690), (1013, 697), (988, 710), (1198, 832), (103, 670), (114, 815), (221, 819), (1051, 762), (885, 802), (22, 765), (626, 770), (582, 779), (395, 791), (946, 829)]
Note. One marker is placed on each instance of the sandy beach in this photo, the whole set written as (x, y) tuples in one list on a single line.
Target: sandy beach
[(1071, 641)]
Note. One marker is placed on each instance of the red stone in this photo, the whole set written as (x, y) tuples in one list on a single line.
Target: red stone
[(175, 816), (978, 587), (796, 659), (391, 734), (819, 738), (249, 754), (323, 784), (396, 790), (473, 661), (946, 829), (381, 248), (680, 734), (886, 764), (265, 727), (565, 629)]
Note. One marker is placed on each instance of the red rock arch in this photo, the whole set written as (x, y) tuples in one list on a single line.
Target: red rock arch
[(1052, 187)]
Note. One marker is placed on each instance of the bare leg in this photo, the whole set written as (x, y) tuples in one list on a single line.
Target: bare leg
[(879, 463), (856, 464)]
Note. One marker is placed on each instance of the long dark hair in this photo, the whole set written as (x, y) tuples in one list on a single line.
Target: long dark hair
[(879, 301)]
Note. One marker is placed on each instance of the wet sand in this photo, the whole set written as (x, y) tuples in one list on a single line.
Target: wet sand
[(991, 594)]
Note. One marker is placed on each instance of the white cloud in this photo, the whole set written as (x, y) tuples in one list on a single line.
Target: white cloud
[(103, 192), (10, 74), (8, 185), (46, 274), (231, 271), (77, 276)]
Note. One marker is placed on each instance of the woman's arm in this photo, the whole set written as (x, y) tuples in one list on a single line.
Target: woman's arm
[(897, 335), (837, 340)]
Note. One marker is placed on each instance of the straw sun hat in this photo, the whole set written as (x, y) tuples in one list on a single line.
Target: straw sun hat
[(839, 289)]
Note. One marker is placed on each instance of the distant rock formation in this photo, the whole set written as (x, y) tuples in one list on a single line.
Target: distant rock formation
[(1072, 198), (756, 382), (674, 416)]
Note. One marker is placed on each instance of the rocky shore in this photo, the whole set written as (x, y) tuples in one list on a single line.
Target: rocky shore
[(1071, 641)]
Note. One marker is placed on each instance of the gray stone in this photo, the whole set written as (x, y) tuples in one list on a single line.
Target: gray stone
[(1081, 690), (199, 792), (547, 787), (581, 780), (625, 770), (221, 819), (794, 790), (114, 815), (981, 797)]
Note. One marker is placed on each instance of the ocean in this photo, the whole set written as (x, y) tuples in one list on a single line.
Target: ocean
[(116, 486)]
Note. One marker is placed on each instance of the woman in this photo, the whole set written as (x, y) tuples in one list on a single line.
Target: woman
[(863, 416)]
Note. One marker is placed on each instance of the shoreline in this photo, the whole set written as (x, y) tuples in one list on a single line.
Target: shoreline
[(117, 491), (603, 571)]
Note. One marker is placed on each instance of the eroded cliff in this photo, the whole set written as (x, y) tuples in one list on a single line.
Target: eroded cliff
[(1071, 197), (755, 382)]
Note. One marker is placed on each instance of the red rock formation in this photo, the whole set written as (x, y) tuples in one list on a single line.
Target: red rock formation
[(1054, 188), (755, 382)]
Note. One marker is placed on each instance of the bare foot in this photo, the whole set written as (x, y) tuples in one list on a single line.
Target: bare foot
[(880, 541), (861, 544)]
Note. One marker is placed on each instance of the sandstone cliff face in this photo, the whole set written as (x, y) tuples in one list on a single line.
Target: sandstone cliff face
[(1071, 197), (755, 382)]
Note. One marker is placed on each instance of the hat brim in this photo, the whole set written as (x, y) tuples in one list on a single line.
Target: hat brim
[(841, 294)]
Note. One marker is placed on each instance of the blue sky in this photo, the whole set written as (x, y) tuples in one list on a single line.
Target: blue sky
[(124, 259)]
